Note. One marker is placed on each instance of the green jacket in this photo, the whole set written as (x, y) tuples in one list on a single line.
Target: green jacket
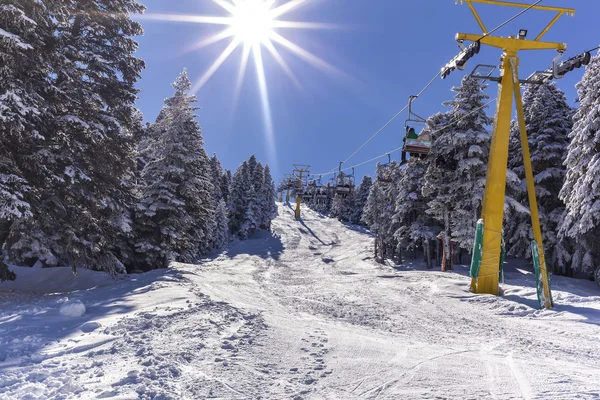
[(411, 134)]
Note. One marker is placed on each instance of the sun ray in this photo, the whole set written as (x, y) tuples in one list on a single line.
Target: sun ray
[(305, 55), (266, 106), (231, 8), (196, 19), (241, 73), (227, 33), (215, 66), (285, 8), (303, 25), (284, 65)]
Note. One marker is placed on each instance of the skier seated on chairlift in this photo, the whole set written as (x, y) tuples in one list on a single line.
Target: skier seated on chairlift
[(410, 134)]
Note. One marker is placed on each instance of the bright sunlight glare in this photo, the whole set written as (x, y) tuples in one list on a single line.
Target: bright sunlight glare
[(254, 26), (252, 22)]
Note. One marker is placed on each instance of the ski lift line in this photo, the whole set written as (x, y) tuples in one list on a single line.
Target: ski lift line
[(377, 133), (431, 83), (415, 97), (594, 49), (432, 133), (428, 85)]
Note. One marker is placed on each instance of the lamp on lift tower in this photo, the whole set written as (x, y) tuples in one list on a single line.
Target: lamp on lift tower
[(522, 34)]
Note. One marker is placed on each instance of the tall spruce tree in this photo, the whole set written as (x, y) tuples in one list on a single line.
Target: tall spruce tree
[(254, 212), (267, 196), (455, 179), (175, 213), (581, 193), (360, 200), (87, 147), (416, 229), (25, 34), (221, 230), (379, 211), (226, 185), (238, 198)]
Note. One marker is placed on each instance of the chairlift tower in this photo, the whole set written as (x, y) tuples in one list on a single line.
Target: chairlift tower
[(300, 169), (487, 280)]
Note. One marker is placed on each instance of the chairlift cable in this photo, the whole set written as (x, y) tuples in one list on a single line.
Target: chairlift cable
[(429, 85), (432, 133)]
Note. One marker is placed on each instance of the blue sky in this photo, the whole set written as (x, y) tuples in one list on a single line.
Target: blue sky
[(385, 49)]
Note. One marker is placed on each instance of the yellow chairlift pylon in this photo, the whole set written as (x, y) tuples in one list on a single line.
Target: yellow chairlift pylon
[(300, 169), (487, 280)]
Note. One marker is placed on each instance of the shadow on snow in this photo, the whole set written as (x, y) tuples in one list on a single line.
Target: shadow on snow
[(31, 321)]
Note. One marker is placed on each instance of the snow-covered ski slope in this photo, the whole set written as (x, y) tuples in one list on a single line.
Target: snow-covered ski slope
[(303, 313)]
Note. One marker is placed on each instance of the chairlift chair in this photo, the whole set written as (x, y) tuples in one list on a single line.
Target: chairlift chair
[(343, 184), (382, 176), (417, 145)]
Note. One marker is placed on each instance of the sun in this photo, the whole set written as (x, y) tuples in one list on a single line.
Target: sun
[(252, 22), (255, 27), (252, 26)]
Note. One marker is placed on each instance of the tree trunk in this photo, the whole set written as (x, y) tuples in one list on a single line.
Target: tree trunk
[(427, 253), (5, 273), (447, 262)]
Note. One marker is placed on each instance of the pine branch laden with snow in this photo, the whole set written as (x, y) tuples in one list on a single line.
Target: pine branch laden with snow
[(175, 217), (455, 179), (581, 190)]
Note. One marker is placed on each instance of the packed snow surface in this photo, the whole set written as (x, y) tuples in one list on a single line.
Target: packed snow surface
[(300, 313)]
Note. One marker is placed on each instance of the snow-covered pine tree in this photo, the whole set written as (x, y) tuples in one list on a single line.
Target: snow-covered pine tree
[(360, 200), (238, 198), (267, 195), (341, 206), (24, 31), (216, 241), (455, 179), (216, 174), (379, 211), (221, 230), (416, 229), (253, 217), (581, 193), (174, 214), (85, 154), (548, 119), (226, 184)]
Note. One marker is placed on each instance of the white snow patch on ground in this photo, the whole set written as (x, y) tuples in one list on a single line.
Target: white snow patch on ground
[(73, 309), (300, 313)]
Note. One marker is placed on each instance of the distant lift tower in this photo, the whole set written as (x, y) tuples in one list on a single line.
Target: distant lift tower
[(487, 278), (300, 170)]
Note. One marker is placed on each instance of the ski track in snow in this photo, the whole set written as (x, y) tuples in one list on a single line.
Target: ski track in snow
[(302, 313)]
